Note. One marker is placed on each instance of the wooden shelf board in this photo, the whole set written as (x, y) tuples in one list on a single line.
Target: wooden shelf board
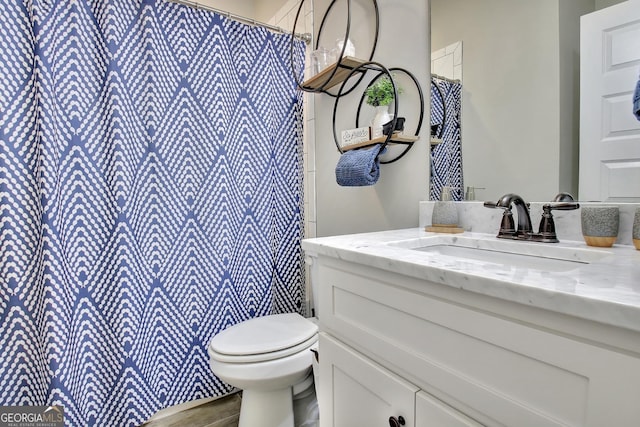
[(345, 67), (398, 139)]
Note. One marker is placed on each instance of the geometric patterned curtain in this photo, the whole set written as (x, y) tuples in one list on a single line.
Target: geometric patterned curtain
[(151, 196), (446, 157)]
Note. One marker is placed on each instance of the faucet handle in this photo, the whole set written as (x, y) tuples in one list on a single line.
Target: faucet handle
[(563, 197), (547, 230), (564, 206)]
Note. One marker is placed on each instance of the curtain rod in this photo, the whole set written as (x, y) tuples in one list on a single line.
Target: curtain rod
[(306, 37), (445, 78)]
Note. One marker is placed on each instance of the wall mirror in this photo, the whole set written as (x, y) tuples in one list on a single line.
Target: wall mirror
[(520, 92)]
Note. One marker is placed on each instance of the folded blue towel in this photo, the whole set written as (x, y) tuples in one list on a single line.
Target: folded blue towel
[(636, 101), (359, 167)]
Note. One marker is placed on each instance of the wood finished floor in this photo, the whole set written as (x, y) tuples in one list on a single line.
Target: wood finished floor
[(223, 412)]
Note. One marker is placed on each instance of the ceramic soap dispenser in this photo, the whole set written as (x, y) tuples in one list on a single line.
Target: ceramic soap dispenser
[(445, 213)]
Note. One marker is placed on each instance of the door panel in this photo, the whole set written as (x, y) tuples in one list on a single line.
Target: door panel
[(609, 132), (357, 392)]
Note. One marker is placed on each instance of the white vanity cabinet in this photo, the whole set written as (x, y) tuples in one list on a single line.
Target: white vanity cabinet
[(393, 345)]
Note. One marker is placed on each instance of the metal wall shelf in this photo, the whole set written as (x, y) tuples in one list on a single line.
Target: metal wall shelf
[(323, 81), (395, 139), (347, 67)]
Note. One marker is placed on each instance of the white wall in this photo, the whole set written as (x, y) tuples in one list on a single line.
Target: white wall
[(274, 9), (569, 134), (393, 202), (601, 4), (244, 8), (260, 10)]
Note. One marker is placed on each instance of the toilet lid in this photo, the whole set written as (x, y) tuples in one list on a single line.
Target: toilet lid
[(264, 335)]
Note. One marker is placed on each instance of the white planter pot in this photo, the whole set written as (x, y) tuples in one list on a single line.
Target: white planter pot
[(382, 117)]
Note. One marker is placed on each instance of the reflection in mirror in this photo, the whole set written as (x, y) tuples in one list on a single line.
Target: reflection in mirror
[(446, 152), (520, 92), (609, 131)]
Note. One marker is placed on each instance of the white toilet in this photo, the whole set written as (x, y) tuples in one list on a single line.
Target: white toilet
[(270, 359)]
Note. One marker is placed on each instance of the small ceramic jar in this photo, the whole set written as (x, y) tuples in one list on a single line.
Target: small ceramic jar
[(600, 225)]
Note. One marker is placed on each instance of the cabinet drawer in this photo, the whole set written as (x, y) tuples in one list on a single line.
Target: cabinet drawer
[(498, 370)]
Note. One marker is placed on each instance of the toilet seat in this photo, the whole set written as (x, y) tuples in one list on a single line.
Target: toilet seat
[(264, 338)]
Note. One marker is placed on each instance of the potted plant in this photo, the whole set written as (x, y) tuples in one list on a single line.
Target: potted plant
[(380, 95)]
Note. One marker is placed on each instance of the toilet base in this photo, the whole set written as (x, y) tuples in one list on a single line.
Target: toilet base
[(272, 408)]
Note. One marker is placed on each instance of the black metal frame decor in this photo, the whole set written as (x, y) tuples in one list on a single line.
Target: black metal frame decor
[(382, 70), (349, 69), (322, 87)]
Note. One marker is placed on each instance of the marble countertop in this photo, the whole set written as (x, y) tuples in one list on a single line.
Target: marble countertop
[(605, 288)]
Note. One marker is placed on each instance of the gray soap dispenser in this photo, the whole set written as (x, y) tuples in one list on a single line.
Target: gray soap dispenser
[(445, 212)]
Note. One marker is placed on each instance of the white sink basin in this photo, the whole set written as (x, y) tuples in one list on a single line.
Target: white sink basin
[(519, 254)]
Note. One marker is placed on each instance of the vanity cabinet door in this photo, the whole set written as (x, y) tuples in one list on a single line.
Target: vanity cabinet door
[(354, 391), (431, 412)]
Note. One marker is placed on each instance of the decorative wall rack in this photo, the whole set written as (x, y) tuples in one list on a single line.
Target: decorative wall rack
[(349, 69)]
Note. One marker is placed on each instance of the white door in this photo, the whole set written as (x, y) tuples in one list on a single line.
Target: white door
[(609, 132), (356, 392)]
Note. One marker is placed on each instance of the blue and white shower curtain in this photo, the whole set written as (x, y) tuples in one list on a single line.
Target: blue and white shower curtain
[(151, 196), (446, 157)]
